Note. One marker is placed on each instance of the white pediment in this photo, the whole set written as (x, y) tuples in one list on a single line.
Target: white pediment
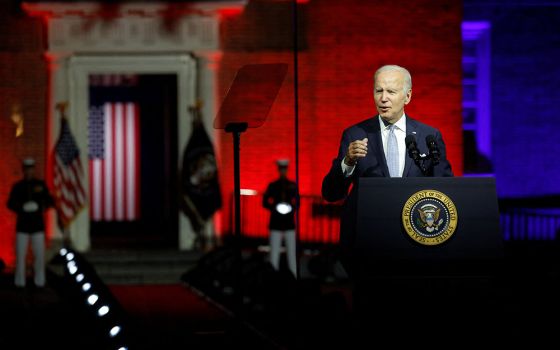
[(86, 38), (89, 27)]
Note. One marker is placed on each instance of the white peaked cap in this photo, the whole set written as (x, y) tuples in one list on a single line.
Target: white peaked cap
[(28, 162)]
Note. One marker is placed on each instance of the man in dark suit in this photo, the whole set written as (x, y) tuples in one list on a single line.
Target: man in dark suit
[(376, 147)]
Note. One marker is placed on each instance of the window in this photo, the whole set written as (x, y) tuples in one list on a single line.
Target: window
[(477, 137)]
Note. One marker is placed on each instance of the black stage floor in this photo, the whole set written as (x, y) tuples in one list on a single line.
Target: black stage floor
[(518, 304)]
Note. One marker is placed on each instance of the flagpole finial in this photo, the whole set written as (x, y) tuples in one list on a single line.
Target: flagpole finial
[(197, 106), (195, 109), (62, 106)]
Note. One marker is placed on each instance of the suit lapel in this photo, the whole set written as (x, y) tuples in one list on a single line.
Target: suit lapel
[(376, 145), (410, 130)]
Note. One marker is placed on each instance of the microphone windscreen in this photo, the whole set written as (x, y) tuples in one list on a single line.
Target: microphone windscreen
[(409, 140), (430, 139)]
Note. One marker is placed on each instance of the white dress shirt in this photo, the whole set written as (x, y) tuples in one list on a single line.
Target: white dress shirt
[(400, 132)]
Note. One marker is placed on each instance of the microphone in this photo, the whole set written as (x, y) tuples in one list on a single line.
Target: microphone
[(433, 148), (412, 148)]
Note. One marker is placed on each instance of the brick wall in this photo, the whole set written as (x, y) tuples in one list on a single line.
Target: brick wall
[(525, 94), (23, 81), (343, 42)]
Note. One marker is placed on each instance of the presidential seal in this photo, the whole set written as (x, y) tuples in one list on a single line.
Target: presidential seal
[(429, 217)]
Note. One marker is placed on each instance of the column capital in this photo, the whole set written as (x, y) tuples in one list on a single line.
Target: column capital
[(209, 59)]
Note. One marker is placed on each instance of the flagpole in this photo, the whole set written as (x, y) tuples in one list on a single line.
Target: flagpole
[(296, 126), (195, 202), (61, 107), (64, 227)]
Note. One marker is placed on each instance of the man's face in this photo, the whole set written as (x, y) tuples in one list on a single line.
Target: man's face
[(28, 172), (389, 95), (283, 171)]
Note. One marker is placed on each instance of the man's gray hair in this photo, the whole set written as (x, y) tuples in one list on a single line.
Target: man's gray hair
[(393, 67)]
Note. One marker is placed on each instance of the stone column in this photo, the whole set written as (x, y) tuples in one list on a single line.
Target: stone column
[(207, 75)]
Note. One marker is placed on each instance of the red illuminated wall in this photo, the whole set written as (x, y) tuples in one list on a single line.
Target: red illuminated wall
[(23, 81), (342, 43)]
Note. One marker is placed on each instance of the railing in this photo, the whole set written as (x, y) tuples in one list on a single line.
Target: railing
[(530, 224), (522, 219), (533, 218), (319, 220)]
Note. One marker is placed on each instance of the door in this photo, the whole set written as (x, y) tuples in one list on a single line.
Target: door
[(132, 131)]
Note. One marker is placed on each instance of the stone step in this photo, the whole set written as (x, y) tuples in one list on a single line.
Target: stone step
[(128, 277), (142, 267), (127, 256)]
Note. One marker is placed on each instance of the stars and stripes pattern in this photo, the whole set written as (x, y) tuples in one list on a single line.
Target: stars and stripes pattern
[(70, 196), (114, 162)]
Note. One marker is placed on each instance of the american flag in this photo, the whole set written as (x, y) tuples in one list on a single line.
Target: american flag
[(69, 191), (114, 162)]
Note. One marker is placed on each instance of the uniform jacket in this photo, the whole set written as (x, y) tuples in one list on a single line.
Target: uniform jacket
[(25, 191), (281, 190)]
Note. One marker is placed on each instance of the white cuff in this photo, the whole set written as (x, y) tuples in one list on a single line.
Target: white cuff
[(347, 170)]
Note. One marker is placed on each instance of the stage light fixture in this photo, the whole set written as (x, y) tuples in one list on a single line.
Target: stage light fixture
[(92, 299), (104, 310), (123, 348), (69, 256), (114, 331), (80, 277), (72, 269), (63, 251), (86, 286)]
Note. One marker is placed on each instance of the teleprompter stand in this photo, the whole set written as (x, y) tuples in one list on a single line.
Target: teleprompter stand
[(246, 105)]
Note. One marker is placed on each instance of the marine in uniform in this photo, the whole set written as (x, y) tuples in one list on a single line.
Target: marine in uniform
[(280, 199), (29, 199)]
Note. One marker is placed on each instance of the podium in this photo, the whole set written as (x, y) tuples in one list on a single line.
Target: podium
[(428, 255), (424, 225)]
